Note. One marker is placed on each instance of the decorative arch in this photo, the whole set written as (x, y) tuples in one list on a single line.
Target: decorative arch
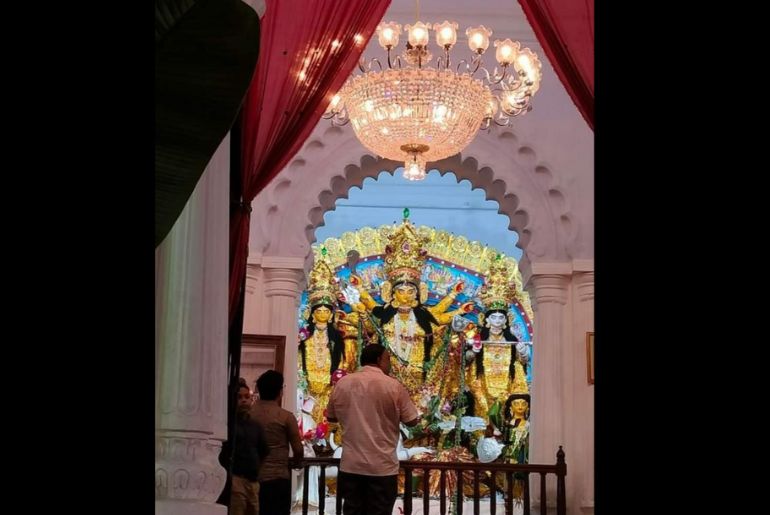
[(510, 173)]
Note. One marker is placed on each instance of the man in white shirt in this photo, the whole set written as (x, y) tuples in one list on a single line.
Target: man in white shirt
[(369, 405)]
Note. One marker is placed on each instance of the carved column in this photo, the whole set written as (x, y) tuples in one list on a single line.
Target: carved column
[(549, 292), (191, 349), (282, 280), (584, 393)]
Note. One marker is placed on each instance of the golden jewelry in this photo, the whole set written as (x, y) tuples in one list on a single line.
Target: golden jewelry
[(497, 292), (405, 254), (322, 288)]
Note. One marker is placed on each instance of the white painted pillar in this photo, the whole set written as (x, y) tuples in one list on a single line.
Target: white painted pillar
[(283, 277), (549, 293), (191, 322), (583, 400)]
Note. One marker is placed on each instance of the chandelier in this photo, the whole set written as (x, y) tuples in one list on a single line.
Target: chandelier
[(416, 112)]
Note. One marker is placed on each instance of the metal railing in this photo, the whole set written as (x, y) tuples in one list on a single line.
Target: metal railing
[(489, 470)]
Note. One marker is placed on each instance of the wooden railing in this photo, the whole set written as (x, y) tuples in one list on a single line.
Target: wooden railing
[(559, 470)]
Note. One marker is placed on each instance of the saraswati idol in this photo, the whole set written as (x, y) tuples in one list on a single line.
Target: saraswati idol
[(499, 365)]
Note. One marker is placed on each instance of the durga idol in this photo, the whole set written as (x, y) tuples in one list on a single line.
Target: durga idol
[(410, 329)]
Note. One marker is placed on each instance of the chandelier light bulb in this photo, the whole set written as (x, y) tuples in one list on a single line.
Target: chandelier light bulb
[(528, 65), (418, 34), (414, 169), (446, 34), (507, 51), (478, 38), (387, 34)]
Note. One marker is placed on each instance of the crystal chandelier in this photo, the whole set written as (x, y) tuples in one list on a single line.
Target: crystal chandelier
[(418, 112)]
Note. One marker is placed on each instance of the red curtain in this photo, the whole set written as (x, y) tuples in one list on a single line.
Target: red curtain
[(308, 48), (565, 30)]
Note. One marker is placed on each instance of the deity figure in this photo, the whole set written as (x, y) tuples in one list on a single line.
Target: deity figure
[(499, 365), (356, 330), (516, 437), (409, 329), (512, 444), (516, 434), (322, 349)]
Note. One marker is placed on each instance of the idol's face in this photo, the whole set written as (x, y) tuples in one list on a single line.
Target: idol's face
[(519, 408), (405, 294), (496, 320), (321, 315)]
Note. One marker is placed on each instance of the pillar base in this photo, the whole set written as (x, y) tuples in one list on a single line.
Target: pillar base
[(187, 469)]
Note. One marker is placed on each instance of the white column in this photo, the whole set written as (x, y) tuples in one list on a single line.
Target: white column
[(584, 394), (283, 277), (549, 292), (255, 313), (191, 322)]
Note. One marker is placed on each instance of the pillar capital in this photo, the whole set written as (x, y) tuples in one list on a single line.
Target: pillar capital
[(549, 288)]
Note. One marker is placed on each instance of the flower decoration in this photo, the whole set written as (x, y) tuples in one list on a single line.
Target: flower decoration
[(321, 430), (336, 376)]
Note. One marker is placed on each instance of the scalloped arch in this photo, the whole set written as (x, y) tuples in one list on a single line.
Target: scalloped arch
[(509, 172)]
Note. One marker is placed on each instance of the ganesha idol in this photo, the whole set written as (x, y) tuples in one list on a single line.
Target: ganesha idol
[(322, 439)]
